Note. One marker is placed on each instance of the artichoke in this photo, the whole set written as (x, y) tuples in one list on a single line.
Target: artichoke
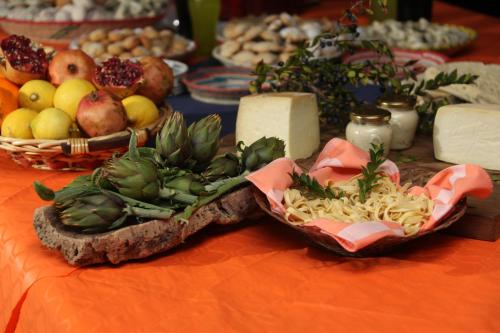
[(172, 142), (262, 152), (184, 189), (98, 210), (95, 210), (224, 166), (137, 179), (204, 137), (187, 184)]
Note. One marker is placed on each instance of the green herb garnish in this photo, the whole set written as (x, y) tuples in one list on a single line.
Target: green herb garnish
[(370, 174), (312, 189)]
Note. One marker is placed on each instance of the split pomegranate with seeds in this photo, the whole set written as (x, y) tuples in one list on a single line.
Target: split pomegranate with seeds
[(21, 60), (121, 78)]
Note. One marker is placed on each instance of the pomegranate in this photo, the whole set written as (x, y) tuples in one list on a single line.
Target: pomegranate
[(71, 64), (121, 78), (158, 79), (22, 60), (100, 114)]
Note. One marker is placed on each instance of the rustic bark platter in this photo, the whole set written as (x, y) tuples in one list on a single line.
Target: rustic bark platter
[(139, 240)]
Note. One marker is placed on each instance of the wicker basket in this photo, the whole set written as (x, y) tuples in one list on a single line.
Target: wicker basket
[(77, 153), (414, 174)]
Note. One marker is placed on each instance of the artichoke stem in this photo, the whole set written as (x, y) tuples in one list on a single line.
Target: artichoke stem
[(224, 188), (167, 193), (149, 213)]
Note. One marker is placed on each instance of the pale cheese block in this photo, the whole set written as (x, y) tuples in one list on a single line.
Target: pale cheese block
[(290, 116), (468, 133)]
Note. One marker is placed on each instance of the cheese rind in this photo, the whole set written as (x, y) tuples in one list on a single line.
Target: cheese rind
[(468, 133), (291, 117)]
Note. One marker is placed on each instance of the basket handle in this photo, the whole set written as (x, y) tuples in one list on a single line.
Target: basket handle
[(78, 146)]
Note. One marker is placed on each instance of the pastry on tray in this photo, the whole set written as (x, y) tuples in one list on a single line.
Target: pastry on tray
[(271, 38), (133, 43)]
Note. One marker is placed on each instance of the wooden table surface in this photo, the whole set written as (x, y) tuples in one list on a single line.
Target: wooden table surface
[(257, 277)]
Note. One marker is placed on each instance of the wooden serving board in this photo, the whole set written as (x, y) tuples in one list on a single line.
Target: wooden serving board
[(418, 165), (139, 240)]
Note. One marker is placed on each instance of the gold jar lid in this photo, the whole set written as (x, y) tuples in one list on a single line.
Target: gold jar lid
[(367, 113), (397, 102)]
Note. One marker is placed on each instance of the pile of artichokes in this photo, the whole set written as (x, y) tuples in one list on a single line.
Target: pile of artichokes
[(179, 175)]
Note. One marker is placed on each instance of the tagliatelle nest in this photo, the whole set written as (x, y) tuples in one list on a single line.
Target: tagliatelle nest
[(386, 202)]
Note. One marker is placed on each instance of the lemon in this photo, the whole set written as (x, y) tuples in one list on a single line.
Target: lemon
[(36, 95), (17, 124), (51, 124), (69, 94), (141, 111)]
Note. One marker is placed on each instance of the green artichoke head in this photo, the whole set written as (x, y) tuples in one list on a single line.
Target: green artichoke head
[(93, 211), (136, 179), (262, 152), (223, 166), (204, 136), (187, 183), (172, 142)]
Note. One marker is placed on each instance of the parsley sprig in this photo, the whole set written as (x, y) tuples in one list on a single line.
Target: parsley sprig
[(370, 174), (443, 79), (312, 189), (428, 109)]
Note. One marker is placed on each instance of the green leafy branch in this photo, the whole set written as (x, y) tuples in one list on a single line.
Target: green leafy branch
[(312, 189), (370, 173), (441, 80), (427, 112), (328, 77)]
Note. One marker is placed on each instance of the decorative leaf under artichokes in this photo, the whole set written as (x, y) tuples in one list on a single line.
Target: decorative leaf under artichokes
[(204, 137), (172, 142), (261, 152)]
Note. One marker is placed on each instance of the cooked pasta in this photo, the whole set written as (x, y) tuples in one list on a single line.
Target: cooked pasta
[(385, 202)]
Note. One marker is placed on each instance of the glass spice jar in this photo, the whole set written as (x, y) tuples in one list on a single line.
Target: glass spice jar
[(404, 119), (369, 125)]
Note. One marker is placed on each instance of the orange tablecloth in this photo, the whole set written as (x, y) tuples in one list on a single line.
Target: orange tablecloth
[(256, 277)]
